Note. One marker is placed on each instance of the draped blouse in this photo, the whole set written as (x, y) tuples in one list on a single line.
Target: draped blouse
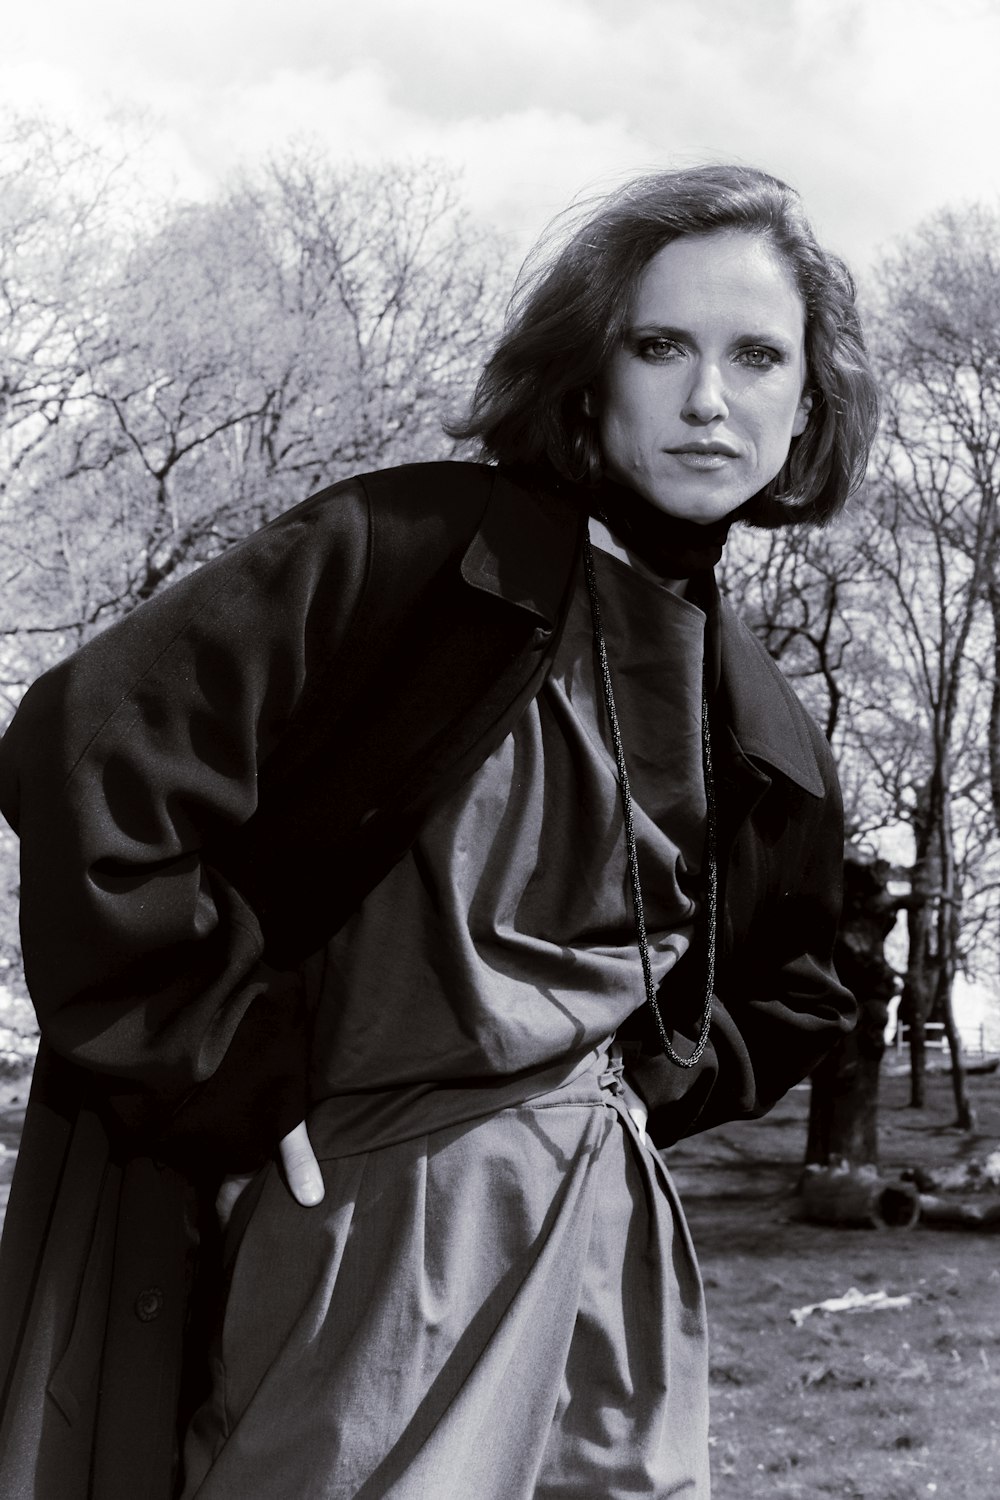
[(502, 947)]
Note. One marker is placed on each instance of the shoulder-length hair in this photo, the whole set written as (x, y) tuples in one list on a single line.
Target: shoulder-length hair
[(569, 312)]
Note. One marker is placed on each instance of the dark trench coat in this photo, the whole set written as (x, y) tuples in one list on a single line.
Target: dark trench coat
[(203, 794)]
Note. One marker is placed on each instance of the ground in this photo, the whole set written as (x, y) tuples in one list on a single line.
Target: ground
[(898, 1404), (14, 1081)]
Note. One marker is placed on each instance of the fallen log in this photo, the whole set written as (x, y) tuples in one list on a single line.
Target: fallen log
[(965, 1213), (857, 1199)]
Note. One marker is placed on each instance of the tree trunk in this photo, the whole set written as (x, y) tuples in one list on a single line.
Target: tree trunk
[(949, 932), (965, 1116), (918, 1056), (843, 1109), (993, 738), (964, 1112), (918, 993)]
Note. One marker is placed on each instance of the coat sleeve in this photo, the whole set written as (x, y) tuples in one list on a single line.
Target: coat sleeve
[(778, 1007), (121, 770)]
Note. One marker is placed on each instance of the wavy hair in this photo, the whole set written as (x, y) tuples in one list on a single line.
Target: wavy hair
[(569, 311)]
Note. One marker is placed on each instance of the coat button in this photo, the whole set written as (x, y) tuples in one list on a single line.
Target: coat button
[(149, 1304)]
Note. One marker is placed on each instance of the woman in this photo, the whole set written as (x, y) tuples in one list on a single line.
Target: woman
[(454, 834)]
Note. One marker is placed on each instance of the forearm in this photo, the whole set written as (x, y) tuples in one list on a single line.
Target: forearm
[(758, 1049)]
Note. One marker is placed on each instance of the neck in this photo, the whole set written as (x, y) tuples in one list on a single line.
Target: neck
[(604, 538)]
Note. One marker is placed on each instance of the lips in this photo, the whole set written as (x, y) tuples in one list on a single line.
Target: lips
[(720, 450), (701, 460)]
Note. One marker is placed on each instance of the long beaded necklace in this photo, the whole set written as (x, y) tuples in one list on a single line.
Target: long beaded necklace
[(712, 893)]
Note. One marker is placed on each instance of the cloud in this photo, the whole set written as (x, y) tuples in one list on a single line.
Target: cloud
[(878, 112)]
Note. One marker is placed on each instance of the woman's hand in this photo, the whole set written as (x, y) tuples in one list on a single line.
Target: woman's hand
[(302, 1173), (301, 1169)]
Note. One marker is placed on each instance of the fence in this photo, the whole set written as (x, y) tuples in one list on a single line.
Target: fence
[(973, 1038)]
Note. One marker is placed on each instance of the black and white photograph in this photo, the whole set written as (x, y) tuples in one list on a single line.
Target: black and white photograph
[(500, 750)]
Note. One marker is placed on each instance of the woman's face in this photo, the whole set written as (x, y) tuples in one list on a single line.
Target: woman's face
[(698, 406)]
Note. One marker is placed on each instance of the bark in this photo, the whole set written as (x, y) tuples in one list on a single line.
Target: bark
[(993, 733), (949, 923), (965, 1115), (918, 1055), (949, 928), (917, 999), (843, 1108), (843, 1111), (963, 1213), (858, 1200)]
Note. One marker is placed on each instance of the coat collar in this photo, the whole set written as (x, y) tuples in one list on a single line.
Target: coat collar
[(767, 719), (525, 551)]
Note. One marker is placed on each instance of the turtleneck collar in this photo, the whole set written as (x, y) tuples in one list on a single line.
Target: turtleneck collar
[(669, 545)]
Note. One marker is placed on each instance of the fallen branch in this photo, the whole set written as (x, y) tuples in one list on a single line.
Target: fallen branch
[(852, 1301)]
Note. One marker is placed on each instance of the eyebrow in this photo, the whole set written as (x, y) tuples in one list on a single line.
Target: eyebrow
[(683, 335)]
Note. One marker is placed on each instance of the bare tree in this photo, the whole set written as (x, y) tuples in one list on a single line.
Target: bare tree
[(891, 623), (309, 325), (56, 192), (937, 324)]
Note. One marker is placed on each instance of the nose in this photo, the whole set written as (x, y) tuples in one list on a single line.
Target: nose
[(705, 399)]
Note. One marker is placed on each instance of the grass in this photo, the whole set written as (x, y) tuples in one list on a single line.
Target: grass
[(880, 1405)]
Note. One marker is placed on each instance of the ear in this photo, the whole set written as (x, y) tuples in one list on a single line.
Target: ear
[(801, 418), (588, 403)]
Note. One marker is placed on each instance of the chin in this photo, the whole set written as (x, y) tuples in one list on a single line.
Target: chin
[(701, 510)]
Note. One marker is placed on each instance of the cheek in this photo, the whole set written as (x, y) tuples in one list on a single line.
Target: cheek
[(634, 404), (617, 415), (783, 419)]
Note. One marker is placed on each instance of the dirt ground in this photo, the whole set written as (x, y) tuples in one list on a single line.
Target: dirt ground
[(895, 1404)]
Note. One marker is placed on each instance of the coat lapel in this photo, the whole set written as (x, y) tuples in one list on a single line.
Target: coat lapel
[(520, 551), (766, 718)]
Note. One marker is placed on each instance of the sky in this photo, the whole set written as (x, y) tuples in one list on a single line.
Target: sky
[(878, 111)]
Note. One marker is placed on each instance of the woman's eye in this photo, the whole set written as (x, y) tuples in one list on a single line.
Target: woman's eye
[(658, 351), (759, 357)]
